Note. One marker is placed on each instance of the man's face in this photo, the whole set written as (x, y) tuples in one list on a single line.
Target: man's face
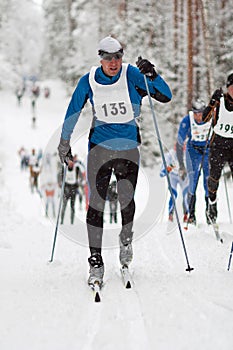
[(198, 117), (111, 68), (230, 90)]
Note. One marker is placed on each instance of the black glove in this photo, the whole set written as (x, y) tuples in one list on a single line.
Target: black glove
[(64, 151), (182, 172), (216, 96), (146, 68)]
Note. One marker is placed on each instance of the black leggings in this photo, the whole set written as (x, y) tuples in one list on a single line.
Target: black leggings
[(218, 157), (69, 193), (101, 164)]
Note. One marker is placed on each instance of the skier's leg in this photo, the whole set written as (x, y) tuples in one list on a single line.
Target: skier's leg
[(174, 182), (193, 159), (64, 204), (217, 163), (72, 203), (205, 169), (53, 206), (99, 170), (46, 207), (126, 172)]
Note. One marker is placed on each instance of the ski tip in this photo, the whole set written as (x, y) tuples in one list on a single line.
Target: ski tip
[(97, 298), (128, 285)]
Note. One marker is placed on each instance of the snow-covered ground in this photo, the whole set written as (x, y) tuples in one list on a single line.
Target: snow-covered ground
[(46, 306)]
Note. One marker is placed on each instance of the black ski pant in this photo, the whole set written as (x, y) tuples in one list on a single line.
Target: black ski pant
[(219, 156), (69, 193), (101, 164)]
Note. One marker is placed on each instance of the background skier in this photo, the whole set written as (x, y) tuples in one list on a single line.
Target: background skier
[(112, 197), (70, 190), (195, 131), (221, 109), (175, 179)]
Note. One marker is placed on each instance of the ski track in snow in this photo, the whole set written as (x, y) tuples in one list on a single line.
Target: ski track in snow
[(49, 305)]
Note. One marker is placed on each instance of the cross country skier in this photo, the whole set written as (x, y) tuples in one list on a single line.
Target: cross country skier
[(221, 145), (112, 197), (195, 131), (49, 190), (175, 179), (70, 189), (115, 90)]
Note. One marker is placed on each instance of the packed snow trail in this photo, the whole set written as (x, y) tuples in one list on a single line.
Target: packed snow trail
[(48, 306)]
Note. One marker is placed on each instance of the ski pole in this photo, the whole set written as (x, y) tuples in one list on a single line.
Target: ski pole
[(230, 257), (167, 175), (227, 196), (65, 165)]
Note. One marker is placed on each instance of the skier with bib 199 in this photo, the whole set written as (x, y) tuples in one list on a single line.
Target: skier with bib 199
[(195, 131), (220, 108), (115, 91)]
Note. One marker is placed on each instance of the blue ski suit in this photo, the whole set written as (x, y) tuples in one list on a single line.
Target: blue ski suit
[(195, 148)]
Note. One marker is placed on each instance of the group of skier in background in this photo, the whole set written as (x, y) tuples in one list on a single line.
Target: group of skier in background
[(33, 90), (204, 145), (75, 184)]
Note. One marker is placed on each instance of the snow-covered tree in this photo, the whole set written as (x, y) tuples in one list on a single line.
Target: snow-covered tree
[(20, 41), (188, 41)]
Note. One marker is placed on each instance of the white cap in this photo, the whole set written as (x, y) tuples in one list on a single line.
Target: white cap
[(109, 44), (198, 106)]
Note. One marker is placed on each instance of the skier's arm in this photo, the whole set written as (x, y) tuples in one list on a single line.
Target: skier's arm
[(169, 164), (180, 154), (159, 89), (77, 102), (182, 135), (212, 106)]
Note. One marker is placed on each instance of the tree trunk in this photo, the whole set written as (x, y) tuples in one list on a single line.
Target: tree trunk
[(190, 55)]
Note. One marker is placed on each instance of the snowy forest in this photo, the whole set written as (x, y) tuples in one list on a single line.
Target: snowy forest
[(182, 276), (190, 43)]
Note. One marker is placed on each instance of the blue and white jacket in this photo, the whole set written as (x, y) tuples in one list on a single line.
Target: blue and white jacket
[(195, 133), (126, 135)]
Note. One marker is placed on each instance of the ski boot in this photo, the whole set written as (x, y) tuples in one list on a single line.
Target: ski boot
[(96, 269), (207, 211), (126, 254), (192, 205), (192, 219), (185, 218), (170, 217), (212, 211), (126, 249)]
